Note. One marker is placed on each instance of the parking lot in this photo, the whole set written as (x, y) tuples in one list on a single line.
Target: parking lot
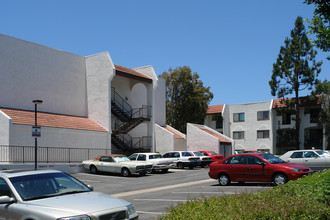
[(153, 194)]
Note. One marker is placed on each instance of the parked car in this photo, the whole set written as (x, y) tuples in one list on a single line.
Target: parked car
[(117, 163), (158, 162), (215, 156), (50, 194), (256, 167), (183, 159), (315, 159), (205, 160)]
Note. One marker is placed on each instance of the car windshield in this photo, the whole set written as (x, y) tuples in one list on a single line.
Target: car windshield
[(39, 186), (271, 159), (155, 156), (121, 159), (212, 153), (198, 154)]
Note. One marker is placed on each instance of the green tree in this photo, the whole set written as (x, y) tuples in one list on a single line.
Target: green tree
[(186, 98), (320, 24), (323, 89), (296, 69)]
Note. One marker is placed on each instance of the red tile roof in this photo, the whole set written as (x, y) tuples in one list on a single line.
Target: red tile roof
[(304, 101), (221, 139), (131, 72), (213, 109), (25, 117), (176, 134)]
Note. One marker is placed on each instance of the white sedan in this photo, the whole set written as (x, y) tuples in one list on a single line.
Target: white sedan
[(314, 159), (117, 163), (157, 160)]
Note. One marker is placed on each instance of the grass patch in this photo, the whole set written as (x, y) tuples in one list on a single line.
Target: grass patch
[(307, 198)]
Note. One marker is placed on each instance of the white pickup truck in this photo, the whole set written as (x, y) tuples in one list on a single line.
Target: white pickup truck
[(157, 160)]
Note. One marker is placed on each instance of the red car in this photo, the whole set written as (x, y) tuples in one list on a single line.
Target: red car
[(215, 156), (256, 167)]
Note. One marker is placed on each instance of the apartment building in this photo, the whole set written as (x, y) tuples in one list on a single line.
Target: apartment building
[(261, 126), (88, 102)]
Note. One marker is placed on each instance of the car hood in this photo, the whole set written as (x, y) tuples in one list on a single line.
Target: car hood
[(294, 165), (76, 204)]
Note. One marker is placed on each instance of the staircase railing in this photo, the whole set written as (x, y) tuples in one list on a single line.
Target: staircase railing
[(118, 100), (144, 112)]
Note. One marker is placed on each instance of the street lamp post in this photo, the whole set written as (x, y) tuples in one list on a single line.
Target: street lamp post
[(36, 102)]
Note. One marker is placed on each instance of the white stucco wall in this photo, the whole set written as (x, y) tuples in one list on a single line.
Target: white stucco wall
[(164, 140), (21, 135), (250, 126), (99, 72), (200, 140), (5, 126), (30, 71), (160, 102)]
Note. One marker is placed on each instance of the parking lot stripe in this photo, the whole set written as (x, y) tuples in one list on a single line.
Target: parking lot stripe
[(160, 188), (162, 200)]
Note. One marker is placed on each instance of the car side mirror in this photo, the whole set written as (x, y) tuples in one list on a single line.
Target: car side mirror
[(91, 187), (262, 163), (6, 199)]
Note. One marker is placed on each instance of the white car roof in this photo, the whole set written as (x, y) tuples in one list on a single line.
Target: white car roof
[(15, 173)]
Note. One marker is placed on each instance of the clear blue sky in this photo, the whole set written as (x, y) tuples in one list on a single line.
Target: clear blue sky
[(232, 45)]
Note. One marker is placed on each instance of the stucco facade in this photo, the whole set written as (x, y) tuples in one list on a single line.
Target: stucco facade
[(74, 86)]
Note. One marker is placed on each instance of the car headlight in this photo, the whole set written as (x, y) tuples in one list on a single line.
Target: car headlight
[(296, 169), (78, 217), (130, 209)]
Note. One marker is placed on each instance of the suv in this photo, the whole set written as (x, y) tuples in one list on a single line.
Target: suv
[(51, 194), (183, 159)]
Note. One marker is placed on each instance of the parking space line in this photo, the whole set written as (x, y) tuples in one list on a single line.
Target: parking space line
[(160, 188), (151, 213), (229, 193), (163, 200)]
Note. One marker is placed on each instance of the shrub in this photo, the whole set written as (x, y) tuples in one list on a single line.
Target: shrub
[(307, 198)]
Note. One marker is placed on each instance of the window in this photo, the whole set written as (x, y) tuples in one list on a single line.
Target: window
[(236, 160), (263, 134), (252, 160), (4, 189), (106, 159), (218, 120), (310, 154), (142, 157), (186, 154), (262, 115), (314, 113), (239, 117), (238, 134), (297, 155), (286, 118)]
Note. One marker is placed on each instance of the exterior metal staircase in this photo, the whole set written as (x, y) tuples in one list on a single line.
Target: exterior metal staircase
[(126, 120)]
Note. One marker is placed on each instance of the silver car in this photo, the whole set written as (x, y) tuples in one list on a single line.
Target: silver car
[(315, 159), (51, 194)]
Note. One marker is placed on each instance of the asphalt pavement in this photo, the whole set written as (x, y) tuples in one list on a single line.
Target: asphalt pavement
[(152, 195)]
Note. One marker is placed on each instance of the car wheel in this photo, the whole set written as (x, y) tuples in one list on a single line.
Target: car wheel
[(223, 180), (180, 165), (93, 169), (125, 172), (280, 179), (191, 167), (164, 170)]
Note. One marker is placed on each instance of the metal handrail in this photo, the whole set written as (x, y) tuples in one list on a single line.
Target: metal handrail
[(120, 102)]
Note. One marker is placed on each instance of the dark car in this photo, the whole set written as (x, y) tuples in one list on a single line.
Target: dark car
[(256, 167)]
